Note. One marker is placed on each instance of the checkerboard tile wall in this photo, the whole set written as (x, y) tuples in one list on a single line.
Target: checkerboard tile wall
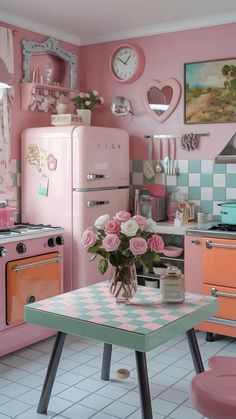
[(16, 201), (201, 181)]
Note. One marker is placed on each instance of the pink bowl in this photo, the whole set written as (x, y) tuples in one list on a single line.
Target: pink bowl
[(172, 251)]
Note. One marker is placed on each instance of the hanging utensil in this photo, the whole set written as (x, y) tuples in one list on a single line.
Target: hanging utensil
[(172, 155), (148, 164), (159, 167), (166, 158)]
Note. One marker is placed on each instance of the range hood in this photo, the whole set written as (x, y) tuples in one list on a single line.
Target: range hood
[(228, 154)]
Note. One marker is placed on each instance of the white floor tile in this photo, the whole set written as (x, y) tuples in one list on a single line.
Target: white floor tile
[(57, 405), (98, 402), (79, 391), (77, 411), (120, 410), (13, 408), (185, 413)]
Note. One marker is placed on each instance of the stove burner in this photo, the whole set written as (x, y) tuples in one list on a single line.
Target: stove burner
[(223, 227)]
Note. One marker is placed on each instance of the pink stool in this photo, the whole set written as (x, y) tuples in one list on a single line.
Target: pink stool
[(213, 393)]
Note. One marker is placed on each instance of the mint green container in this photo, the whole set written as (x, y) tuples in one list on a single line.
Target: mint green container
[(228, 212)]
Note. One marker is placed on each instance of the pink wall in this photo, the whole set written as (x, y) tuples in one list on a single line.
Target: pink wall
[(23, 119), (165, 56)]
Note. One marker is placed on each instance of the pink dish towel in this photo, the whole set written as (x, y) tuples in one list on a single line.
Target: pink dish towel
[(156, 189)]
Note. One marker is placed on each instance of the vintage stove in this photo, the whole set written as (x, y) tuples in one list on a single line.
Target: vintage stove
[(31, 269), (210, 252)]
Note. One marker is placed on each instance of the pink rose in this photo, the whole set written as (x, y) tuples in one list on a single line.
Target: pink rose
[(122, 216), (140, 220), (111, 242), (112, 227), (89, 238), (138, 246), (155, 243)]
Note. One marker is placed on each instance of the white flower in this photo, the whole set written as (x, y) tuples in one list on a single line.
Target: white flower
[(81, 94), (87, 102), (102, 100), (102, 221), (129, 228), (151, 226), (95, 92)]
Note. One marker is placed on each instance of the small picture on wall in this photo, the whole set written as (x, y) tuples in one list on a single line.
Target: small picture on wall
[(210, 92)]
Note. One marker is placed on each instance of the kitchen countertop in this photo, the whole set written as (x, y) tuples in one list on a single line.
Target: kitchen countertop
[(203, 230), (165, 227)]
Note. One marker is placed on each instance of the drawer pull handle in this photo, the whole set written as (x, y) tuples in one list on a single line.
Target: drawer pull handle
[(91, 204), (195, 241), (17, 268), (217, 293), (210, 244)]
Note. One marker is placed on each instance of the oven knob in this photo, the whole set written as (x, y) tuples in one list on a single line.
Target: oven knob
[(21, 248), (59, 240), (51, 242), (31, 299), (3, 252)]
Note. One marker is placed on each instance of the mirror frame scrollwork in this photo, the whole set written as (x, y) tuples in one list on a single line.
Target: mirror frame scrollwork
[(51, 46), (176, 88)]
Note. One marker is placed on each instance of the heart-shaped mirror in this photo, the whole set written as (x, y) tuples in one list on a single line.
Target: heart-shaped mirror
[(161, 99)]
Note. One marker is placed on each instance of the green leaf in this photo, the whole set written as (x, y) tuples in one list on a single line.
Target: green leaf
[(147, 260), (102, 265)]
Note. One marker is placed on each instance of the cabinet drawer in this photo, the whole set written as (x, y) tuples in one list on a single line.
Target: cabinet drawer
[(227, 301)]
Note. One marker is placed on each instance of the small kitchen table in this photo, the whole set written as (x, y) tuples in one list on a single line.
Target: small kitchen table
[(142, 326)]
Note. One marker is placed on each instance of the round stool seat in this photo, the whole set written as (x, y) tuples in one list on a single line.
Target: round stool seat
[(213, 392)]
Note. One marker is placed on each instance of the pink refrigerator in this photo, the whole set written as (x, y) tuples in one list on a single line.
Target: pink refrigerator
[(70, 176)]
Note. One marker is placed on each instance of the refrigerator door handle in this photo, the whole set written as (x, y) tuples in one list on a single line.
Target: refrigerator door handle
[(93, 176), (96, 203)]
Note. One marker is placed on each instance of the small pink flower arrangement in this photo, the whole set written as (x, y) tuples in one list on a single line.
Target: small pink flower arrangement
[(123, 241), (87, 100)]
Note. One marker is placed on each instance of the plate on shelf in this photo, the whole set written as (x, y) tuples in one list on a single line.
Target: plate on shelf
[(172, 251)]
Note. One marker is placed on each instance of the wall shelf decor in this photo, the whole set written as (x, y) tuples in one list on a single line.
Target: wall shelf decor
[(50, 46), (43, 97)]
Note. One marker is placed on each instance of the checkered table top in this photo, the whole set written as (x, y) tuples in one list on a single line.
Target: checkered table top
[(91, 311)]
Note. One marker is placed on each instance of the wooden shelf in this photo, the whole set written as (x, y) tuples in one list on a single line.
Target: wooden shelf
[(42, 97)]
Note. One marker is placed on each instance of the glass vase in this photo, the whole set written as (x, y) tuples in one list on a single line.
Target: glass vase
[(123, 285), (85, 116)]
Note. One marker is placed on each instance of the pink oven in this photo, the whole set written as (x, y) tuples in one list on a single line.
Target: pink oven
[(31, 268)]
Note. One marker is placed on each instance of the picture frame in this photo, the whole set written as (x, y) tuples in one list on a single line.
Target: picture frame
[(210, 91)]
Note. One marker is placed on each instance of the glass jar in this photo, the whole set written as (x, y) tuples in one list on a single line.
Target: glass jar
[(172, 286)]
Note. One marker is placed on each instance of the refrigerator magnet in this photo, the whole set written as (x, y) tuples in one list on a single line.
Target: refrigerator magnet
[(43, 187), (51, 162)]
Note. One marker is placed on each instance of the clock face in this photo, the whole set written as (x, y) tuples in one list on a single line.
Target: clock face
[(125, 63)]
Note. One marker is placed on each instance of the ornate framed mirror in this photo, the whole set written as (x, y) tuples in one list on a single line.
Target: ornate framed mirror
[(50, 46), (161, 98)]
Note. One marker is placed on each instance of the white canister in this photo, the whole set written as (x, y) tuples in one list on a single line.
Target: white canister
[(172, 286)]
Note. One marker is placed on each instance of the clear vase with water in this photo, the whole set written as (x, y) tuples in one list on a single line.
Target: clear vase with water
[(123, 284)]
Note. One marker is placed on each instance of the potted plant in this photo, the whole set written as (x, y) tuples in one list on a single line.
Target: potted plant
[(85, 102)]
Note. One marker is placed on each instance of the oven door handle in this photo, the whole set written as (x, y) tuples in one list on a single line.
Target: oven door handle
[(18, 268), (210, 244), (217, 293)]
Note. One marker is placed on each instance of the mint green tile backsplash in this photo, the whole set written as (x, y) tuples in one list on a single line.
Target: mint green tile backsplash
[(201, 181)]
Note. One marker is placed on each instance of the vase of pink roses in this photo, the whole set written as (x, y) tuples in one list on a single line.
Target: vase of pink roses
[(123, 242)]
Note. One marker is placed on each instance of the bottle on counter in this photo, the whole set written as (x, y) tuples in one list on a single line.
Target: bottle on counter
[(136, 202), (172, 286)]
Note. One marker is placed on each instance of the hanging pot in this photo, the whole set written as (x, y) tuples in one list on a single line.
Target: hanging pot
[(228, 212)]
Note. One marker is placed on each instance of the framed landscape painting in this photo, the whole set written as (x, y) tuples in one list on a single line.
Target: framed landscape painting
[(210, 92)]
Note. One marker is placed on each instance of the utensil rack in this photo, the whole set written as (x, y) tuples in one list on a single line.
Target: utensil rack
[(203, 134)]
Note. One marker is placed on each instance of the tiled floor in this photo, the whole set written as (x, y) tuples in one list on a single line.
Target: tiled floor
[(79, 393)]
